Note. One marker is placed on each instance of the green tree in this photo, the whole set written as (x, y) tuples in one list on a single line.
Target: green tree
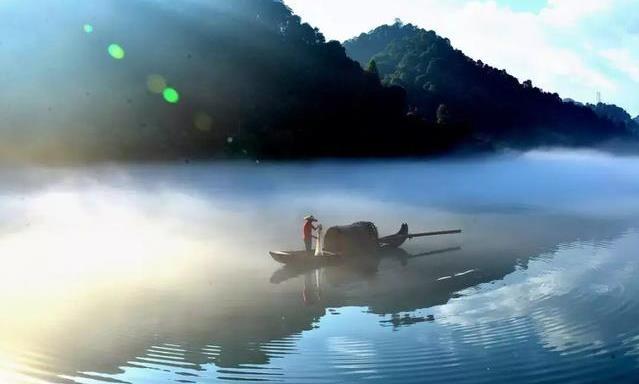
[(443, 114), (372, 68)]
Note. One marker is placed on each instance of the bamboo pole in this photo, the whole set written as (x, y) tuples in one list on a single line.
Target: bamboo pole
[(422, 234)]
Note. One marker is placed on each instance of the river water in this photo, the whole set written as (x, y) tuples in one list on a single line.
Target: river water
[(160, 273)]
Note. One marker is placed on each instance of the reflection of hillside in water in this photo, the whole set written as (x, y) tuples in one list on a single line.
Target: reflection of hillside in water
[(250, 323)]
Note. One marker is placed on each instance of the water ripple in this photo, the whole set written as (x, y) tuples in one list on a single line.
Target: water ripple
[(558, 320)]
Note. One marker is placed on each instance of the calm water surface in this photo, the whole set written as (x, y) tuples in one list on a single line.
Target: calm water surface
[(161, 273)]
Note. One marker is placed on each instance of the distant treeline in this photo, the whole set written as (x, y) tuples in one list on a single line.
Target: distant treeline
[(280, 90), (257, 82), (445, 86)]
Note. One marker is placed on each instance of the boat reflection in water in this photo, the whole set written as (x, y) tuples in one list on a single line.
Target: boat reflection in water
[(312, 291), (355, 265), (350, 269)]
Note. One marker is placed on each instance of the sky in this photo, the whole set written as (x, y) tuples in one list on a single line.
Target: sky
[(573, 47)]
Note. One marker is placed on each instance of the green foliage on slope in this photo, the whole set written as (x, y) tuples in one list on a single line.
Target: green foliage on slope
[(494, 104)]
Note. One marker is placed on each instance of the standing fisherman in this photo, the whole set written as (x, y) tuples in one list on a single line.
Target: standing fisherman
[(308, 232)]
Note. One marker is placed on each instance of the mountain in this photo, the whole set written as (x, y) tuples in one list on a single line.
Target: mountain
[(147, 79), (615, 114), (159, 79), (444, 85)]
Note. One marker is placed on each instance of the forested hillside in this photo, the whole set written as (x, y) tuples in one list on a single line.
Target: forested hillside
[(159, 79), (446, 86), (615, 114), (241, 78)]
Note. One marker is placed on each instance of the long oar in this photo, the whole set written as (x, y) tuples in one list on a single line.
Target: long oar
[(449, 232), (411, 235)]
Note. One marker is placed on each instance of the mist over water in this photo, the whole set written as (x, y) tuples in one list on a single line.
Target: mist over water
[(161, 273)]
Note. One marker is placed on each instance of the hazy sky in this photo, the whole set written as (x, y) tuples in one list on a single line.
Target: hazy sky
[(573, 47)]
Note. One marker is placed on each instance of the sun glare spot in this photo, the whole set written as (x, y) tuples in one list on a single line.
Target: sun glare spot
[(171, 95), (156, 83), (203, 122), (116, 51), (78, 243)]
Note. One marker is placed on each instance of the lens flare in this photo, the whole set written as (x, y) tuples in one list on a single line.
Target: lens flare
[(116, 51), (171, 95), (203, 122), (88, 28), (156, 83)]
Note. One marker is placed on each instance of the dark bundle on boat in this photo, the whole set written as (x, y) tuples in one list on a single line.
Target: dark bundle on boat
[(358, 238)]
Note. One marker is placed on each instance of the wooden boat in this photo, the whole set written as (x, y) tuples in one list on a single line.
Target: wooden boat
[(359, 238), (396, 240), (304, 258)]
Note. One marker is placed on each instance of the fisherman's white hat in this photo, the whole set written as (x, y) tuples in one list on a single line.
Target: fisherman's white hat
[(310, 217)]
